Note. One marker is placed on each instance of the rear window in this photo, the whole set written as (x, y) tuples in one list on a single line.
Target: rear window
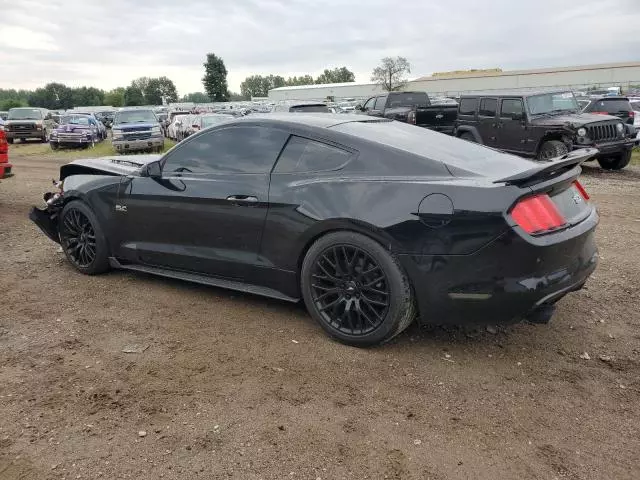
[(310, 108), (304, 155), (488, 107), (409, 99), (635, 106), (610, 106), (468, 106)]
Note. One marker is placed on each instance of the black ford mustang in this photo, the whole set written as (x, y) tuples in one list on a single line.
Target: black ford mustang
[(371, 222)]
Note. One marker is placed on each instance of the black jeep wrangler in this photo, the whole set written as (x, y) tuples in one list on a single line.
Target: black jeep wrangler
[(542, 125)]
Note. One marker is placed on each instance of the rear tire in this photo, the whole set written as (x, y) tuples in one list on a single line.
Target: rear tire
[(82, 239), (54, 146), (468, 136), (551, 149), (617, 162), (356, 290)]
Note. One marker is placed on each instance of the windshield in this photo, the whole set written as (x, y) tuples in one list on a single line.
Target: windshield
[(135, 116), (214, 120), (74, 120), (552, 103), (25, 114), (407, 100)]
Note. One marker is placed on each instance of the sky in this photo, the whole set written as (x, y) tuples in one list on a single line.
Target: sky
[(108, 43)]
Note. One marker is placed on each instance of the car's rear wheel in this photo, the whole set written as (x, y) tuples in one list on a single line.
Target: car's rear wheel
[(82, 239), (356, 290), (551, 149), (615, 163), (468, 136)]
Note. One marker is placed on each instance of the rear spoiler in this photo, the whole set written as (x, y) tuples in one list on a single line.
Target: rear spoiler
[(551, 168)]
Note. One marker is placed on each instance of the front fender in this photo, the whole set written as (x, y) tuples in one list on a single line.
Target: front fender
[(469, 129)]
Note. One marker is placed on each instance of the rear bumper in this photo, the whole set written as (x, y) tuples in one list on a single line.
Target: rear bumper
[(132, 145), (505, 281)]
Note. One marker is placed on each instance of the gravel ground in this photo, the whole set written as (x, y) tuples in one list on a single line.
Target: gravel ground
[(226, 385)]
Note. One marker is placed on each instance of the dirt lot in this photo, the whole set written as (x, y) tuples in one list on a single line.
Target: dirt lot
[(234, 386)]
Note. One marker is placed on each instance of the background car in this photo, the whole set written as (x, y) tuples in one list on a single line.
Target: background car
[(300, 106), (175, 123), (28, 122), (135, 130), (185, 128), (612, 105), (102, 129), (200, 122), (5, 166), (76, 130)]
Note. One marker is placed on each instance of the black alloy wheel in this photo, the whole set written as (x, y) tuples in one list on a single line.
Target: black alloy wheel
[(82, 239), (79, 238), (356, 289), (350, 289)]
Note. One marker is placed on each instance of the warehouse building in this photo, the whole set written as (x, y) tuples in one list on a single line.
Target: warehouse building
[(577, 78)]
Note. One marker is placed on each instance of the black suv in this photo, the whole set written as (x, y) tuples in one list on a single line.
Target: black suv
[(542, 125), (617, 106)]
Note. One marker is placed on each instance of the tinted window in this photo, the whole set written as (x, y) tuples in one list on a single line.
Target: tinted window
[(135, 116), (369, 104), (410, 99), (25, 114), (511, 107), (488, 107), (380, 103), (244, 149), (468, 106), (304, 155), (610, 106), (310, 108), (635, 106)]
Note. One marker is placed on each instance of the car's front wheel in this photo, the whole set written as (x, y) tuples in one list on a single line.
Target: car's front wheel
[(82, 238), (552, 149), (615, 163), (356, 290)]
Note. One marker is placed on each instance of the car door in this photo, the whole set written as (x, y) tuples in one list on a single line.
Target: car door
[(512, 126), (206, 212), (487, 121)]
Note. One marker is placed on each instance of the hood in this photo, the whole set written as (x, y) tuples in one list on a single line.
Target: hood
[(69, 128), (135, 127), (573, 120), (117, 165)]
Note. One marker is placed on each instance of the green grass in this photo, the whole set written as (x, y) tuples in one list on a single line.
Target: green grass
[(101, 149), (635, 156)]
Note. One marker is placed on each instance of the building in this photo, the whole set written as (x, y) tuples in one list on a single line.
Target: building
[(578, 77)]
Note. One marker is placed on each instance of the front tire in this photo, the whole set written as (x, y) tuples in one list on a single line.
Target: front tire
[(616, 163), (356, 290), (552, 149), (82, 239)]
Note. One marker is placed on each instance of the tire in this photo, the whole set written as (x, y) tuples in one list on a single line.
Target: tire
[(616, 163), (356, 290), (551, 149), (468, 136), (45, 137), (78, 225), (54, 146), (10, 141)]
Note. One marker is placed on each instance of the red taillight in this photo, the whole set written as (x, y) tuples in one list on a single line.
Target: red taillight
[(632, 113), (581, 190), (537, 214)]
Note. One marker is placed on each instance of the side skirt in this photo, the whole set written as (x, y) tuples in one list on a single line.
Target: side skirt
[(205, 280)]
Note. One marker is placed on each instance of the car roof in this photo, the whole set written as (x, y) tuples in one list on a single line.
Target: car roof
[(511, 93), (321, 120), (609, 97)]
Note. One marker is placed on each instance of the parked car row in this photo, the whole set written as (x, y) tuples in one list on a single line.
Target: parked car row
[(181, 125)]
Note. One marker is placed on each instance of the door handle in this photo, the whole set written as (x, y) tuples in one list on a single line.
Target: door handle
[(242, 198)]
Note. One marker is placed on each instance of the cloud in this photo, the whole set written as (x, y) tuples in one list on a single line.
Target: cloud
[(107, 44)]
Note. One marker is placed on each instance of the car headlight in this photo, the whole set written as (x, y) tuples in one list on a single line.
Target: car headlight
[(155, 130), (582, 132), (619, 127), (118, 135), (54, 133)]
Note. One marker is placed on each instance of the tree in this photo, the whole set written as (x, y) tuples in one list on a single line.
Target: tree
[(337, 75), (115, 97), (215, 78), (237, 97), (390, 75), (9, 104), (301, 80), (54, 96), (157, 88), (87, 96), (196, 97), (133, 95), (252, 87)]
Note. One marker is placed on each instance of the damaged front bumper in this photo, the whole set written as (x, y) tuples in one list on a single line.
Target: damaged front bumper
[(47, 219)]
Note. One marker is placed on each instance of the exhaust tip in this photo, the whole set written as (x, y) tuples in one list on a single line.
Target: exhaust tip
[(542, 314)]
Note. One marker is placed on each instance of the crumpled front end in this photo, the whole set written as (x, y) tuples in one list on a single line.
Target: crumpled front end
[(47, 218)]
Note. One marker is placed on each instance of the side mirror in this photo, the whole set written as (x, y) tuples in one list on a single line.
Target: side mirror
[(152, 170), (359, 107)]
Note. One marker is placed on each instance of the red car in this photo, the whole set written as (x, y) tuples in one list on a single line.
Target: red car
[(5, 166)]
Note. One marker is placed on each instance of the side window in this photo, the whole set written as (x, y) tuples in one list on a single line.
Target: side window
[(244, 149), (511, 108), (488, 107), (468, 106), (380, 103), (369, 105), (304, 155)]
